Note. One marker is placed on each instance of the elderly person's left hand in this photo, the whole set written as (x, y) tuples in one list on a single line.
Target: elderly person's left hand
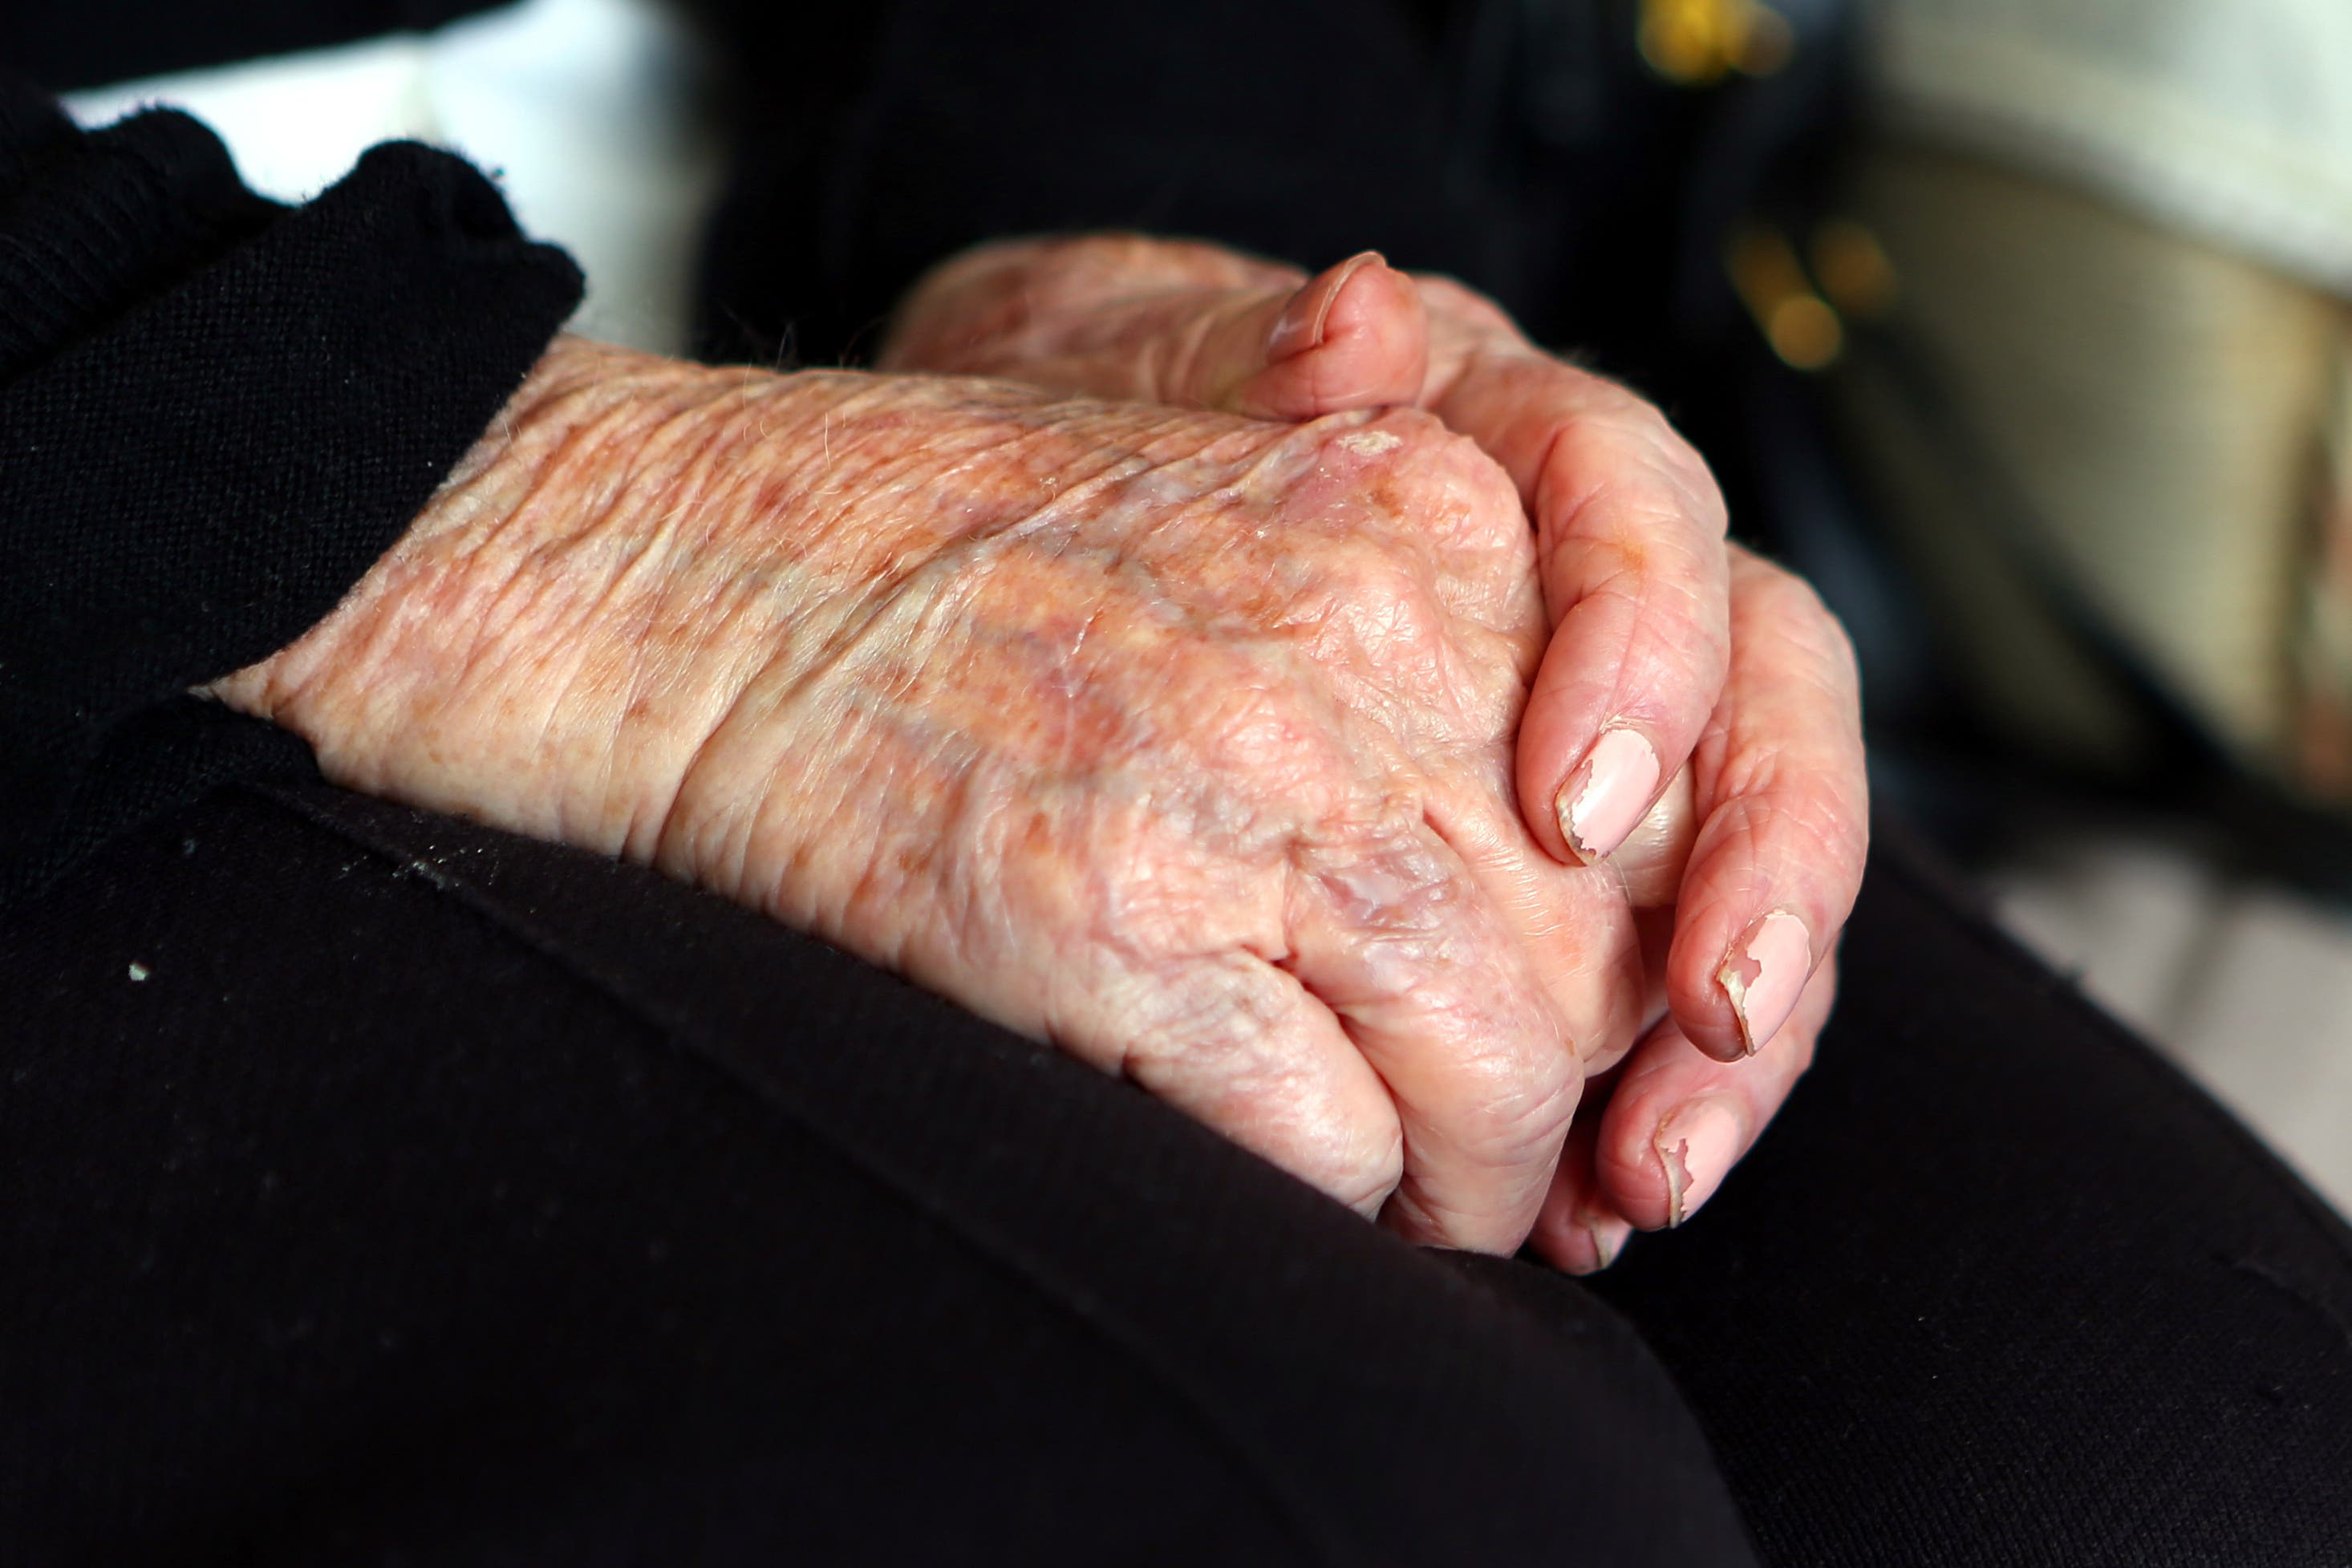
[(1178, 739), (1689, 688)]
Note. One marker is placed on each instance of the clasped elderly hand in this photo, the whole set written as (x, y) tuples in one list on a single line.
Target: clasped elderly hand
[(1176, 699)]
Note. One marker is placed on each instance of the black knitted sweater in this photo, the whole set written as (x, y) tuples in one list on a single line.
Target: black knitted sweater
[(215, 412)]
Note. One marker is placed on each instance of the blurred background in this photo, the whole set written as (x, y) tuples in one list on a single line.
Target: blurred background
[(2030, 339), (2022, 328)]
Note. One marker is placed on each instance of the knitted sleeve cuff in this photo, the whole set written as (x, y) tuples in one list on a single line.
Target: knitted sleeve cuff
[(215, 413)]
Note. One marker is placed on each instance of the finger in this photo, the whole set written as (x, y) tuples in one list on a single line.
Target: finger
[(1630, 531), (1018, 299), (1583, 940), (1353, 336), (1651, 861), (1674, 1123), (1431, 985), (1238, 1044), (1783, 802), (1680, 1119), (1578, 1231)]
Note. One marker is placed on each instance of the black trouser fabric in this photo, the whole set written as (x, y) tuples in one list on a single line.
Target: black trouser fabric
[(382, 1188), (375, 1187), (1999, 1288)]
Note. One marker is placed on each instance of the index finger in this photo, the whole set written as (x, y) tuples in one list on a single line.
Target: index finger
[(1629, 543), (1399, 940)]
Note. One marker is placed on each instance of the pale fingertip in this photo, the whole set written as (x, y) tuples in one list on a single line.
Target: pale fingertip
[(1608, 794), (1697, 1145), (1607, 1235), (1764, 974)]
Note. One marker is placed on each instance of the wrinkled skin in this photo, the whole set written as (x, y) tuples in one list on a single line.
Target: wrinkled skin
[(1180, 739), (1728, 668), (1253, 760)]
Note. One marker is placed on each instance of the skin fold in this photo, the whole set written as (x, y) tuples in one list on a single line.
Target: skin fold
[(1757, 821), (1191, 739), (1180, 739)]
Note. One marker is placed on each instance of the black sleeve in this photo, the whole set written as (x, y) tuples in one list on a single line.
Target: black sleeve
[(70, 44), (215, 413), (875, 140)]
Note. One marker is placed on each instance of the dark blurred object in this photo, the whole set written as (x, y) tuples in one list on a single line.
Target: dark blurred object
[(1588, 163), (1658, 186), (2104, 409), (1534, 148), (94, 41)]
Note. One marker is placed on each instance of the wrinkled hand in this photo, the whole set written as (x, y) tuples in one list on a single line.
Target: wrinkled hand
[(1694, 720), (1180, 739)]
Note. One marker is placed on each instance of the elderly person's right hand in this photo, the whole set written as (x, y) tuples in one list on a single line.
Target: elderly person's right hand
[(1180, 739), (1718, 685)]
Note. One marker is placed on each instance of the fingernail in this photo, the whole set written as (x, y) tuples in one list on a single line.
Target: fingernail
[(1698, 1144), (1604, 798), (1765, 974), (1300, 326), (1609, 1236)]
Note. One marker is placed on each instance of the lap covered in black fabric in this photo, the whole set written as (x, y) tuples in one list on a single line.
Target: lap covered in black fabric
[(380, 1187), (215, 413), (2001, 1287)]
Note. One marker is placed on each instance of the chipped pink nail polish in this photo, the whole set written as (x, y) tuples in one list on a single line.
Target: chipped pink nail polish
[(1605, 799), (1698, 1144), (1764, 974), (1609, 1235)]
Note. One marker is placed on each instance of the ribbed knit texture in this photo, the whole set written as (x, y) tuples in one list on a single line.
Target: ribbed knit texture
[(215, 414), (88, 42)]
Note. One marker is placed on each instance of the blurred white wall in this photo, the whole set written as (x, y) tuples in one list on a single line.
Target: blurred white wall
[(591, 113), (2231, 118)]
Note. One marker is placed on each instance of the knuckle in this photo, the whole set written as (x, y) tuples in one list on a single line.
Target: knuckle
[(1522, 1119), (1789, 600), (1221, 1036), (1624, 451), (1385, 605), (1671, 455), (1817, 649), (1440, 487), (1250, 726), (1805, 823), (1825, 635), (1668, 597), (1367, 1172), (1394, 439), (1407, 455), (1827, 664), (1378, 874), (1492, 516)]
